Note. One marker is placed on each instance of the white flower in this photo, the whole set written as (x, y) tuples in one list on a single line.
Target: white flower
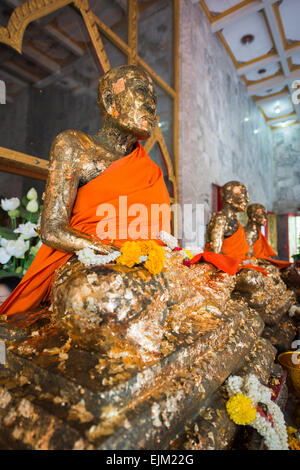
[(10, 204), (4, 256), (32, 194), (3, 242), (275, 437), (168, 239), (17, 248), (88, 257), (32, 206), (27, 230)]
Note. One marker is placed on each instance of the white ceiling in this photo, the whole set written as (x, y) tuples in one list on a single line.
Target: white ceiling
[(253, 24), (263, 39), (290, 17)]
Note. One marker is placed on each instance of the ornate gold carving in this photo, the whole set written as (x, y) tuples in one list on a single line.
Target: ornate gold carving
[(91, 25), (24, 14)]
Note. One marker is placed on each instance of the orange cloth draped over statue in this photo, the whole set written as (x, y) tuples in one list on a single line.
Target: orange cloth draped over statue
[(135, 176), (234, 251), (262, 250), (235, 245)]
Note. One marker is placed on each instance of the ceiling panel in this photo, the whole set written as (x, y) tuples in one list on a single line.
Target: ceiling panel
[(220, 6), (249, 37), (296, 58), (262, 72), (271, 91), (290, 17), (286, 123), (263, 41), (277, 108)]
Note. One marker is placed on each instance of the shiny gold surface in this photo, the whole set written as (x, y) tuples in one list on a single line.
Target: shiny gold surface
[(225, 223), (285, 359), (127, 102), (257, 217)]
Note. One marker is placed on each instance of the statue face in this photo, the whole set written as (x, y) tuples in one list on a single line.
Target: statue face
[(131, 103), (259, 216), (236, 196)]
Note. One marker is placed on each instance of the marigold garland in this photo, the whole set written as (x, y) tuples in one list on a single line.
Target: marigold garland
[(132, 252), (240, 409), (293, 441)]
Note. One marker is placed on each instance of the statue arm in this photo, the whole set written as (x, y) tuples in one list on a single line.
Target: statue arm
[(217, 230), (60, 195)]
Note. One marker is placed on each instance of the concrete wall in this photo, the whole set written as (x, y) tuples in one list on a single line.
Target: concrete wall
[(286, 167), (216, 144)]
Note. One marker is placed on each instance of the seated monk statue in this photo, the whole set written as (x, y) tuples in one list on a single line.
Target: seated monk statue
[(110, 306), (258, 244), (224, 232)]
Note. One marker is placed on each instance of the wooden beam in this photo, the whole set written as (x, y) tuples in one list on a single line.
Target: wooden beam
[(19, 163), (132, 31), (40, 58), (65, 40), (21, 71)]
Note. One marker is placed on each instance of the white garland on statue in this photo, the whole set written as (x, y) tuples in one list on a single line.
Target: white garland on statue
[(275, 437), (88, 257), (168, 240)]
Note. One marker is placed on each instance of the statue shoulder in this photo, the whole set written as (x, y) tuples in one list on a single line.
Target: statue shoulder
[(68, 147), (71, 139), (217, 218)]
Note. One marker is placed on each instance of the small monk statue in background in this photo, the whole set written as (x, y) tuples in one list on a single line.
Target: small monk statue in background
[(259, 246), (224, 232)]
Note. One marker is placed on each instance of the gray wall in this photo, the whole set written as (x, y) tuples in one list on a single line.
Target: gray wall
[(286, 162), (216, 145)]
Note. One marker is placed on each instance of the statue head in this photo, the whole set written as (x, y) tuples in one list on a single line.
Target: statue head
[(235, 195), (257, 213), (127, 99)]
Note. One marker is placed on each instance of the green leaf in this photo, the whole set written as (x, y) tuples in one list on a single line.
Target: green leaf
[(25, 200), (32, 217), (8, 233), (28, 262), (4, 274)]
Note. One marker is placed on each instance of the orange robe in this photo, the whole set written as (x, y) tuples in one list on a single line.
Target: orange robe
[(262, 250), (234, 249), (135, 176)]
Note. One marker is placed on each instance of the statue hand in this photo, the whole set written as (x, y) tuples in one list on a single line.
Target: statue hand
[(103, 249)]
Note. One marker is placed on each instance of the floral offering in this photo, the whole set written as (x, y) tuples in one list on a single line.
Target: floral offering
[(20, 243), (250, 403)]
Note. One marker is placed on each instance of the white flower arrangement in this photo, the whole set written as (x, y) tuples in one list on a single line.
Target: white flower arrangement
[(88, 257), (27, 230), (19, 244), (10, 204), (275, 436), (168, 240)]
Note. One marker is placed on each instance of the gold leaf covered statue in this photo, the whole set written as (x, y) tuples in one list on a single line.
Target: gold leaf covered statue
[(259, 246), (224, 232), (97, 185)]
